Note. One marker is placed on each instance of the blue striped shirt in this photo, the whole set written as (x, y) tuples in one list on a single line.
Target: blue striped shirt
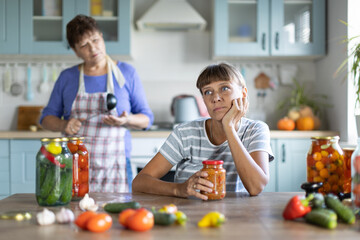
[(188, 145)]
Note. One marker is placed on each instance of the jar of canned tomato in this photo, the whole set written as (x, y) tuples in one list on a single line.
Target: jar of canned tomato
[(216, 175), (348, 151), (80, 167), (325, 163), (53, 173)]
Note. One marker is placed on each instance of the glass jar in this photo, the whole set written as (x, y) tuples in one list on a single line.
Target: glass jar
[(53, 173), (355, 174), (216, 175), (325, 163), (80, 167), (347, 168)]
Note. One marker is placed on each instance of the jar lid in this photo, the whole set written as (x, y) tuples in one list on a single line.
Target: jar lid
[(64, 139), (326, 138), (45, 139), (73, 138), (213, 162)]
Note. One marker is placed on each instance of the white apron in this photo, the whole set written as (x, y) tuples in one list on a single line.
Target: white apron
[(106, 144)]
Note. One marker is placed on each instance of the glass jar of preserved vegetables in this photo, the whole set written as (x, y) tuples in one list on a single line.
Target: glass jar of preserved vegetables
[(348, 151), (53, 173), (216, 175), (355, 174), (80, 167), (325, 163)]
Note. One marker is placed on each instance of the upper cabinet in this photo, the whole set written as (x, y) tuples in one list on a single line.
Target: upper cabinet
[(255, 28), (40, 25)]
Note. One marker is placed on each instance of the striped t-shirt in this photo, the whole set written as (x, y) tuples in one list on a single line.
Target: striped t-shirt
[(188, 145)]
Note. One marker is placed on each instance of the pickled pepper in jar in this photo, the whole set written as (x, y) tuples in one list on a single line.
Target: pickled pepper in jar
[(216, 175), (80, 167), (325, 163), (53, 173)]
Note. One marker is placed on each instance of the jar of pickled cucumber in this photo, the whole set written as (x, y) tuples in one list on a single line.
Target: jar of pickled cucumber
[(325, 163), (80, 167), (53, 172), (216, 175)]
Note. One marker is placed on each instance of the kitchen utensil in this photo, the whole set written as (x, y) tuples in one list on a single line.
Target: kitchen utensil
[(44, 87), (184, 108), (54, 74), (7, 79), (111, 102), (29, 93), (16, 88)]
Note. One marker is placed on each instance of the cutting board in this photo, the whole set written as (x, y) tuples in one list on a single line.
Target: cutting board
[(27, 116)]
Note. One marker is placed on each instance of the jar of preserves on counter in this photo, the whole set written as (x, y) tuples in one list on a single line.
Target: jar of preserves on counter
[(216, 175), (80, 167), (347, 168), (355, 174), (53, 173), (325, 163)]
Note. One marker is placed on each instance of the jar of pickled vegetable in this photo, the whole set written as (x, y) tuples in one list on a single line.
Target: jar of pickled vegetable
[(80, 167), (355, 174), (216, 175), (325, 163), (53, 173), (348, 151)]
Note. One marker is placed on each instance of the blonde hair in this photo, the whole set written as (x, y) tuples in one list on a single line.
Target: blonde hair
[(219, 72)]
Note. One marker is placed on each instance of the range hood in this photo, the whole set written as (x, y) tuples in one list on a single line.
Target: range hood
[(174, 15)]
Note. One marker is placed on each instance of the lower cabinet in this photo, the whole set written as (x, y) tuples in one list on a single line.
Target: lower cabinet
[(4, 169), (288, 169)]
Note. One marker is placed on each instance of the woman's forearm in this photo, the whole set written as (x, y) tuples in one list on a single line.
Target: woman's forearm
[(251, 174), (138, 121), (147, 184), (54, 123)]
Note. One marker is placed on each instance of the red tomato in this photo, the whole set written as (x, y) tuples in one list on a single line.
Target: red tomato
[(72, 147), (84, 176), (82, 219), (142, 220), (83, 189), (124, 215), (83, 162), (99, 223)]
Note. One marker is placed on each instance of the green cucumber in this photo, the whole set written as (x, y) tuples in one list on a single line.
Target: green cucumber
[(56, 190), (118, 207), (66, 186), (322, 217), (318, 201), (344, 212), (48, 182), (163, 218)]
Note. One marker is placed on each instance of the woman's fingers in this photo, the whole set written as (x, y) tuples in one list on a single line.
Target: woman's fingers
[(198, 183)]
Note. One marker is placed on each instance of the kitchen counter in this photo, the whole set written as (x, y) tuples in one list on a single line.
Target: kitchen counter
[(247, 218), (162, 133)]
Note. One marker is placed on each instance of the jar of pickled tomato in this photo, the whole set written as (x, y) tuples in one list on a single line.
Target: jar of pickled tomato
[(348, 151), (53, 173), (216, 175), (325, 163), (80, 167)]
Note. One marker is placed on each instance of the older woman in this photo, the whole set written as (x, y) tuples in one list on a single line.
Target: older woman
[(77, 106), (243, 144)]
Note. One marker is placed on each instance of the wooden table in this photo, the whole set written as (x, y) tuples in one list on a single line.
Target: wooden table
[(247, 218)]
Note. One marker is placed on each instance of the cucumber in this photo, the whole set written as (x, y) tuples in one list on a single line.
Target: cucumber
[(56, 190), (344, 212), (66, 186), (322, 217), (163, 218), (48, 183), (118, 207), (318, 201)]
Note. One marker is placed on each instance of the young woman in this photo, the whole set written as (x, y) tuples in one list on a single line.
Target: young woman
[(243, 144)]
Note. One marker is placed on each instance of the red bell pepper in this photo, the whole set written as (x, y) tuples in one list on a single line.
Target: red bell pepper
[(296, 208), (50, 157)]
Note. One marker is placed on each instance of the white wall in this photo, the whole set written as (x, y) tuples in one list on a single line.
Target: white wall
[(170, 62)]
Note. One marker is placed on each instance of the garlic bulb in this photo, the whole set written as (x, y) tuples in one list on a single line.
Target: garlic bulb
[(45, 217), (65, 216), (87, 203)]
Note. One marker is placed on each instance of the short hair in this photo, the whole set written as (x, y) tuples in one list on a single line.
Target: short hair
[(219, 72), (78, 27)]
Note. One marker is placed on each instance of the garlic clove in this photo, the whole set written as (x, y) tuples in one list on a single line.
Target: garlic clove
[(88, 203), (65, 216), (45, 217)]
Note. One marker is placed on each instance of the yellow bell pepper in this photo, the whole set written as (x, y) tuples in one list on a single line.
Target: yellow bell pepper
[(54, 148), (212, 219)]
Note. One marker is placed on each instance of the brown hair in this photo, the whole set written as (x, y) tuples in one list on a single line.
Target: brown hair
[(78, 27), (219, 72)]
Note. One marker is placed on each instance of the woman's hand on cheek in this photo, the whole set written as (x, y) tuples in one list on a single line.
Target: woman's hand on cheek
[(238, 109)]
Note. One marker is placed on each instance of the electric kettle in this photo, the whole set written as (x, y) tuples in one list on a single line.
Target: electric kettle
[(185, 108)]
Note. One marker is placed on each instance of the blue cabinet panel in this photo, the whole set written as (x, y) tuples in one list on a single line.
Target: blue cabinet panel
[(22, 165), (9, 26), (4, 168), (271, 186)]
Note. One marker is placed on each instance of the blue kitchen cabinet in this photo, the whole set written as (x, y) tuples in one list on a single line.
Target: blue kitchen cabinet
[(269, 28), (9, 22), (22, 165), (4, 169), (38, 30), (271, 186)]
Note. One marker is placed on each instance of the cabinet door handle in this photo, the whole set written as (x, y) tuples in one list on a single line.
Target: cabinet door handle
[(263, 41), (283, 150), (277, 40)]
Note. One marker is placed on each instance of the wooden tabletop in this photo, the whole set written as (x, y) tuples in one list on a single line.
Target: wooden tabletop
[(257, 217)]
